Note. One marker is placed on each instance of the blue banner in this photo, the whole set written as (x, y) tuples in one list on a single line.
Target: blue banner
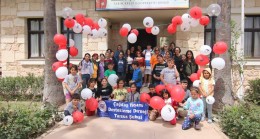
[(123, 110)]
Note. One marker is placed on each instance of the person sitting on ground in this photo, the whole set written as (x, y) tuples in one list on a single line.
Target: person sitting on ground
[(137, 76), (153, 113), (91, 85), (169, 101), (73, 106), (120, 92), (181, 111), (104, 92), (133, 96)]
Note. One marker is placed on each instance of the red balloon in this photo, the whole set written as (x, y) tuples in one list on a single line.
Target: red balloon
[(80, 18), (56, 65), (123, 31), (220, 47), (177, 93), (69, 23), (135, 31), (62, 46), (60, 39), (176, 20), (78, 117), (171, 29), (193, 77), (159, 88), (196, 12), (88, 21), (204, 20), (148, 30), (169, 87), (91, 104), (95, 26), (60, 80), (199, 72), (202, 60), (145, 98), (157, 102), (73, 51)]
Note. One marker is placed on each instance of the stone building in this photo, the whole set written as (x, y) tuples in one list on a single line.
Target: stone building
[(22, 32)]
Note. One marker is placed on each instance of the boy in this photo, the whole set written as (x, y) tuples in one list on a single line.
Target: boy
[(74, 105), (184, 84), (157, 69), (170, 74), (153, 114), (137, 76), (110, 70)]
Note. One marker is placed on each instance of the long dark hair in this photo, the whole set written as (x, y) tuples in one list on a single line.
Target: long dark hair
[(192, 57), (84, 58)]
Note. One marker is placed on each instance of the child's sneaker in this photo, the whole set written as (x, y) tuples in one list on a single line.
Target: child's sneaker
[(197, 127), (202, 118), (209, 121)]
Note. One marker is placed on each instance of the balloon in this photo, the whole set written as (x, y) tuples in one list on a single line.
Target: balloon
[(155, 30), (157, 102), (204, 20), (169, 87), (94, 34), (148, 22), (60, 39), (123, 31), (210, 100), (145, 98), (168, 113), (195, 12), (77, 28), (80, 18), (102, 22), (199, 72), (86, 30), (68, 120), (128, 26), (171, 29), (78, 117), (159, 88), (62, 47), (69, 23), (73, 51), (112, 79), (196, 83), (88, 21), (186, 18), (60, 80), (205, 49), (201, 60), (220, 47), (177, 93), (91, 104), (193, 77), (62, 54), (61, 72), (148, 30), (194, 22), (176, 20), (102, 32), (95, 26), (185, 26), (72, 43), (56, 65), (218, 63), (132, 38), (86, 93), (135, 31), (214, 10), (67, 13)]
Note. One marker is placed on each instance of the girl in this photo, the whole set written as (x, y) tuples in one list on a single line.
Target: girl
[(169, 75), (207, 89), (72, 83), (101, 69), (91, 85), (140, 60), (168, 101), (104, 92), (95, 66), (133, 96), (86, 69), (129, 69), (154, 59), (189, 67), (194, 105), (132, 52), (120, 65), (120, 92), (178, 60)]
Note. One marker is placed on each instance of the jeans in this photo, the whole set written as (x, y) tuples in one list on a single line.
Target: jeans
[(85, 79), (66, 113), (207, 107), (187, 123)]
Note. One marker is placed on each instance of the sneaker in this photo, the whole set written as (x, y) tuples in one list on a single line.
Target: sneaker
[(197, 127), (203, 118), (209, 121)]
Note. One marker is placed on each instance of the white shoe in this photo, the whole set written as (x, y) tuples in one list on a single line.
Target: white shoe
[(210, 121), (203, 119)]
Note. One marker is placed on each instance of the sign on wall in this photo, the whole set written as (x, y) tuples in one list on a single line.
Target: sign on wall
[(140, 4)]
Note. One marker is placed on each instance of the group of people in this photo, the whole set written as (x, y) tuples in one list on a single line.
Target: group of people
[(137, 68)]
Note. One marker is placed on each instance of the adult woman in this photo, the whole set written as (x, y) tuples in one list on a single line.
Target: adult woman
[(107, 60), (119, 49), (178, 61), (165, 49), (132, 52), (167, 56), (86, 69), (129, 69), (101, 68), (120, 66), (189, 67), (154, 56), (95, 66)]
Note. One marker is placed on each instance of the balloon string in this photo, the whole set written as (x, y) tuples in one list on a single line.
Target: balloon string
[(153, 26)]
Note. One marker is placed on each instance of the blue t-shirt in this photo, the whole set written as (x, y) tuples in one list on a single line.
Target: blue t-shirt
[(120, 65)]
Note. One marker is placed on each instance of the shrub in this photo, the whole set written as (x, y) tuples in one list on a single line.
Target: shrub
[(253, 94), (241, 122)]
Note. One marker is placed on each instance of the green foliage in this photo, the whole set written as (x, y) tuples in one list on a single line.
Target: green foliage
[(253, 94), (241, 122), (21, 88)]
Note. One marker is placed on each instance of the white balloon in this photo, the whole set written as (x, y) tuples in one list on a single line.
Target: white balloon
[(77, 28), (72, 43), (102, 32), (62, 54), (112, 79), (155, 30), (185, 26), (196, 83), (68, 120), (86, 93), (148, 22), (168, 113), (94, 34), (128, 26), (61, 72), (67, 13), (210, 99), (218, 63), (102, 22), (205, 49), (86, 30), (194, 22), (186, 18), (132, 38)]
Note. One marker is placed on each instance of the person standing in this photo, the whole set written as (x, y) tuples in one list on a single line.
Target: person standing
[(157, 70), (148, 68), (129, 69), (95, 66), (170, 74), (86, 69), (178, 61), (119, 49), (137, 76), (121, 65), (189, 67)]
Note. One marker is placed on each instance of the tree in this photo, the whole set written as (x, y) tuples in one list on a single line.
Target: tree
[(53, 91)]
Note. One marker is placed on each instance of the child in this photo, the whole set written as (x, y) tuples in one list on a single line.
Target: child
[(120, 92), (133, 96), (153, 113), (194, 105), (148, 69), (157, 70), (110, 70), (72, 106), (137, 76), (104, 92), (207, 89), (107, 59), (181, 111), (91, 85), (86, 69), (170, 74), (168, 101), (72, 83)]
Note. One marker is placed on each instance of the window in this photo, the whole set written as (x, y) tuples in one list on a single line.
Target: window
[(207, 34), (252, 35), (35, 38), (77, 37)]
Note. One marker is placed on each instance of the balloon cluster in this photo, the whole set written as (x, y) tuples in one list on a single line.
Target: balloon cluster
[(91, 103), (76, 117), (149, 26)]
